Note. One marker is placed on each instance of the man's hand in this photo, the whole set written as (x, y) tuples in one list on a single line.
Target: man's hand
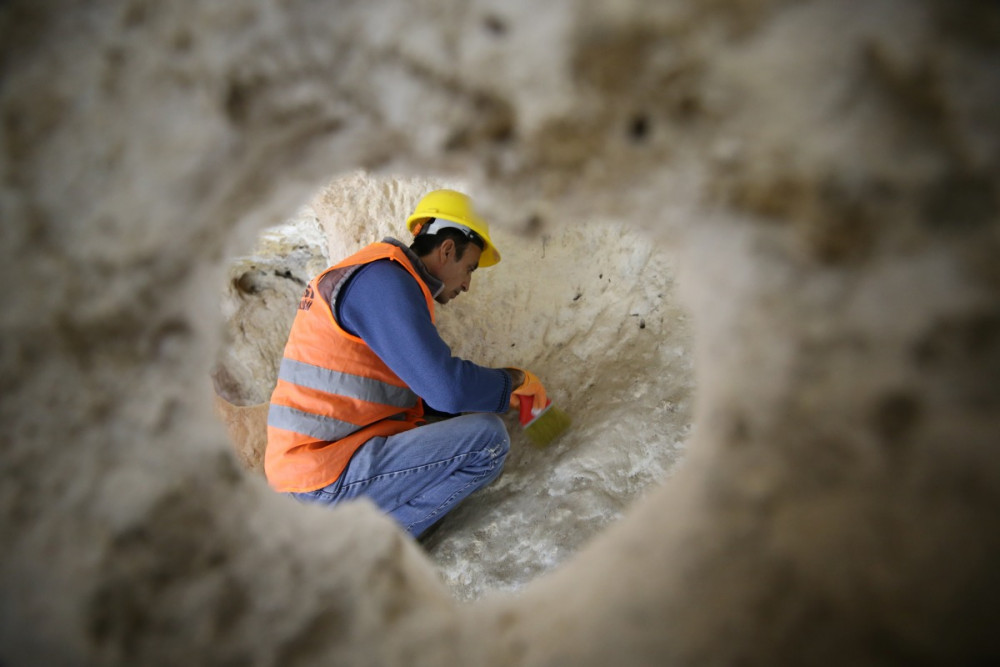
[(527, 386)]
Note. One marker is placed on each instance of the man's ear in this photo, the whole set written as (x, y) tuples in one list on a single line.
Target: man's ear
[(447, 249)]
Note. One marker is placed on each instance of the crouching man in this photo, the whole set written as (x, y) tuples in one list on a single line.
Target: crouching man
[(346, 418)]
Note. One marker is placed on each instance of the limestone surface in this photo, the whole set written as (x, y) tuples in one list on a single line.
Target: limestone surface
[(589, 308)]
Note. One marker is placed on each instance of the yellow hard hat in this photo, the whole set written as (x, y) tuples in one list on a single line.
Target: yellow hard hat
[(455, 207)]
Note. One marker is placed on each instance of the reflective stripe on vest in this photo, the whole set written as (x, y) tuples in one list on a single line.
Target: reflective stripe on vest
[(313, 425), (307, 423), (344, 384)]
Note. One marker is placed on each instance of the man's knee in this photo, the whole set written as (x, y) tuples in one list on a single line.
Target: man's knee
[(499, 432), (492, 435)]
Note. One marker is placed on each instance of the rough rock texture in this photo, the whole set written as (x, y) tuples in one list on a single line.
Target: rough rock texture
[(826, 171), (589, 308)]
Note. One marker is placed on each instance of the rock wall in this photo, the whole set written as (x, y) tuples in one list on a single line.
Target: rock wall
[(827, 175), (589, 307)]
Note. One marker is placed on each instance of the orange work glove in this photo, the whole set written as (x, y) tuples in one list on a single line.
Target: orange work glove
[(530, 388)]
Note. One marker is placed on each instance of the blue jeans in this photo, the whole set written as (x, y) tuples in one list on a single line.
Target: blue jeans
[(418, 476)]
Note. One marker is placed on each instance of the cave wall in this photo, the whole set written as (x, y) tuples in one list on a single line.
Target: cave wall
[(827, 173), (589, 307)]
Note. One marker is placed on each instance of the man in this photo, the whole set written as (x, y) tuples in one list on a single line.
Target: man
[(363, 356)]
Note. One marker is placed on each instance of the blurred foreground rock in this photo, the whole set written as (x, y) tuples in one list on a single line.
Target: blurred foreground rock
[(826, 173)]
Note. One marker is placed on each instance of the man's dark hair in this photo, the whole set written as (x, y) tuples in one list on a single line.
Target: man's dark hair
[(425, 243)]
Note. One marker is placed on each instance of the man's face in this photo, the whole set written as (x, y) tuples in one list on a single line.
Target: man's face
[(456, 274)]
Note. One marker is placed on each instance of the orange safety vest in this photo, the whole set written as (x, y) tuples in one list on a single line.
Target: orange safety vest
[(333, 393)]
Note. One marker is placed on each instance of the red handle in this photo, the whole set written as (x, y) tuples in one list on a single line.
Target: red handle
[(526, 403)]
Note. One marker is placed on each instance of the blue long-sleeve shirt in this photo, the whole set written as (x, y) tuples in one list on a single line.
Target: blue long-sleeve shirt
[(384, 306)]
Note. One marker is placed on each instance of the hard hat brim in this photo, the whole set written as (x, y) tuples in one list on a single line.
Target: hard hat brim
[(490, 255)]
